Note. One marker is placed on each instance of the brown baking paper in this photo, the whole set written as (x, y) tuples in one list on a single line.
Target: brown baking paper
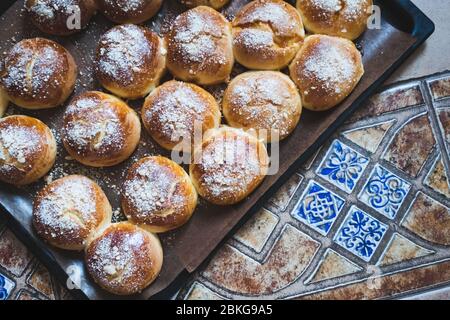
[(187, 247)]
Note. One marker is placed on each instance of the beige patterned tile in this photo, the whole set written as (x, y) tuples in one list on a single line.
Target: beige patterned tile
[(14, 256)]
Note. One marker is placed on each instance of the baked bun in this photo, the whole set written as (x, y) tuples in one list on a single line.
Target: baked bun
[(100, 130), (326, 70), (130, 61), (158, 194), (70, 210), (4, 101), (38, 74), (129, 11), (199, 47), (27, 149), (124, 259), (343, 18), (267, 34), (267, 101), (228, 166), (59, 17), (216, 4), (173, 110)]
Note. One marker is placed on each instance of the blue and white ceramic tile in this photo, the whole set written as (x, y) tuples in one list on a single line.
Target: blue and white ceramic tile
[(318, 207), (360, 233), (6, 286), (342, 166), (384, 192)]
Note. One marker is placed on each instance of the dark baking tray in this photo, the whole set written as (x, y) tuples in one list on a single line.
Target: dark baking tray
[(403, 29)]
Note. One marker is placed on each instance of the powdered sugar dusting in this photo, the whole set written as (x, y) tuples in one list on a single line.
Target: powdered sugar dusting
[(123, 53), (68, 209), (348, 9), (48, 10)]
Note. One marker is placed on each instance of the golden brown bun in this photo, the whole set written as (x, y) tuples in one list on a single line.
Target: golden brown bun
[(38, 74), (326, 70), (267, 101), (130, 61), (70, 210), (199, 47), (267, 34), (228, 166), (58, 17), (127, 11), (216, 4), (343, 18), (172, 110), (27, 149), (4, 101), (100, 130), (158, 194), (124, 259)]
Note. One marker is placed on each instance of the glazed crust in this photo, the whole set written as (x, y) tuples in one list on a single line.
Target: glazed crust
[(216, 4), (27, 149), (4, 101), (343, 18), (172, 110), (130, 61), (100, 130), (267, 34), (228, 166), (70, 210), (126, 11), (55, 16), (124, 259), (38, 74), (266, 101), (158, 194), (326, 70), (199, 47)]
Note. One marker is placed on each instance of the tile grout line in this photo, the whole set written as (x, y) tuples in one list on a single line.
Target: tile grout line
[(436, 127)]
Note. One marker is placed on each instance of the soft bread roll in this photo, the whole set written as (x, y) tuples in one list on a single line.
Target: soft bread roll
[(267, 34), (173, 110), (130, 61), (158, 194), (228, 166), (59, 17), (343, 18), (199, 47), (124, 259), (70, 210), (267, 101), (129, 11), (216, 4), (326, 70), (100, 130), (38, 74), (4, 101), (27, 149)]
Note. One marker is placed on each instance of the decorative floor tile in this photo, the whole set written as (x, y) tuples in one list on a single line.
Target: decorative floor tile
[(6, 287), (369, 137), (41, 280), (14, 256), (255, 232), (390, 100), (27, 295), (384, 192), (440, 88), (437, 179), (444, 118), (360, 234), (288, 259), (411, 146), (333, 265), (281, 199), (200, 292), (402, 249), (318, 207), (429, 219), (342, 166)]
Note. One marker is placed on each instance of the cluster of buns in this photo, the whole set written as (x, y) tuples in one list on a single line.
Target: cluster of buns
[(228, 162)]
